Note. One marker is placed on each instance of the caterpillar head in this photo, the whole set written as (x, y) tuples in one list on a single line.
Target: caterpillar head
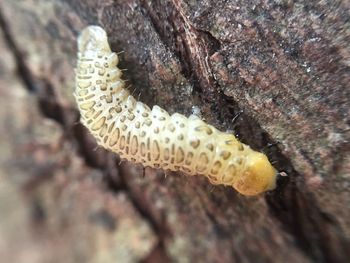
[(259, 175), (93, 38)]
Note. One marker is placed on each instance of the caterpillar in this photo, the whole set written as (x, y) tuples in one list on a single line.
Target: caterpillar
[(152, 137)]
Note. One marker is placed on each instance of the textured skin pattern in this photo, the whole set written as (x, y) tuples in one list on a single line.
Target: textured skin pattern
[(152, 136)]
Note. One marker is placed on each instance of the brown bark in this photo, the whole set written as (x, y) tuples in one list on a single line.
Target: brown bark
[(284, 64)]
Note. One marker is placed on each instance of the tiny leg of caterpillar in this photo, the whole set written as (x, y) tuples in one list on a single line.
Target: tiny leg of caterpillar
[(196, 111), (269, 145), (283, 174), (212, 189), (237, 115), (230, 131), (129, 87), (166, 173)]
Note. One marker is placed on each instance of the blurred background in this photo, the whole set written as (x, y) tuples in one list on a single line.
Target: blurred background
[(283, 65)]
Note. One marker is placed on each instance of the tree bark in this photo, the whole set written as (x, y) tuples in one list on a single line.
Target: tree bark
[(276, 73)]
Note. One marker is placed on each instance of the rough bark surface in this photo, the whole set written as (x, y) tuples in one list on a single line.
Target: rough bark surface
[(275, 72)]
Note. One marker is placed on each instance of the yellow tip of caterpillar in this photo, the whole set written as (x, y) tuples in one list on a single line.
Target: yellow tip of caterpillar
[(258, 177)]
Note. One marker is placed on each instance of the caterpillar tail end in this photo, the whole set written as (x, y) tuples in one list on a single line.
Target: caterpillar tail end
[(259, 176), (93, 38)]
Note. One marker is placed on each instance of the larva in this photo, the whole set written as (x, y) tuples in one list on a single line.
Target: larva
[(152, 136)]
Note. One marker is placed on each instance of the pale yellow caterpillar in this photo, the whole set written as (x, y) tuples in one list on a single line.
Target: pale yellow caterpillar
[(152, 136)]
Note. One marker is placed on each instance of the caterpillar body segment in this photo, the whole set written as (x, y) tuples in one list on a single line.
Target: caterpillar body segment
[(152, 136)]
